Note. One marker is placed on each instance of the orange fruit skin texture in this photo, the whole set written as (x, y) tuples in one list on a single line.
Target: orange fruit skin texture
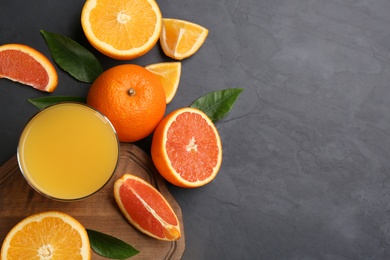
[(186, 148), (61, 234), (23, 64), (134, 117), (146, 208)]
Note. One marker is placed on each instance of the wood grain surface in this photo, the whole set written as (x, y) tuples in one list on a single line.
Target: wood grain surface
[(98, 212)]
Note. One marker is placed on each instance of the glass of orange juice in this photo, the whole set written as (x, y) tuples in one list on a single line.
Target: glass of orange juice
[(68, 151)]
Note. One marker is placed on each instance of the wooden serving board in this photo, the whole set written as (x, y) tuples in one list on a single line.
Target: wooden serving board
[(98, 212)]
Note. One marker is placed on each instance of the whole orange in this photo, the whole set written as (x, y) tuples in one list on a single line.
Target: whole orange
[(132, 98)]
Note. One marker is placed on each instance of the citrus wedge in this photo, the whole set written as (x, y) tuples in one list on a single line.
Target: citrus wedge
[(146, 208), (169, 75), (180, 39), (26, 65), (122, 29), (186, 148), (47, 235)]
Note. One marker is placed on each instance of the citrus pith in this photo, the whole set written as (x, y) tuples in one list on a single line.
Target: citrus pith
[(131, 97), (146, 208), (122, 29), (26, 65), (186, 148), (47, 235)]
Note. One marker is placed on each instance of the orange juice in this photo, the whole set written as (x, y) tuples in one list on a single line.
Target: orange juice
[(68, 151)]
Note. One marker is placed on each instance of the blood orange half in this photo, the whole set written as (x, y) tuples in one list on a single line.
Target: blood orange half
[(186, 148), (146, 208), (23, 64)]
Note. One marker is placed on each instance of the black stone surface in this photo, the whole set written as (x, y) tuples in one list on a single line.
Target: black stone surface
[(307, 146)]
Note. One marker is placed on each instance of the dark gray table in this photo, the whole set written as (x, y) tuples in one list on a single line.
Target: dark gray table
[(306, 170)]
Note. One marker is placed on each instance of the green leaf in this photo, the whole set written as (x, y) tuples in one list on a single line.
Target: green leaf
[(110, 247), (72, 57), (43, 102), (217, 104)]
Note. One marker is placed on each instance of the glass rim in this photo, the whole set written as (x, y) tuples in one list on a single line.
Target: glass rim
[(37, 114)]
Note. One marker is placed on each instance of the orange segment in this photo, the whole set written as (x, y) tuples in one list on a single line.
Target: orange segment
[(122, 29), (169, 75), (47, 235), (186, 148), (146, 208), (180, 39), (23, 64)]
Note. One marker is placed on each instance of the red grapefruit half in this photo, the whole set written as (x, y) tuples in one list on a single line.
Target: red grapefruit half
[(186, 148)]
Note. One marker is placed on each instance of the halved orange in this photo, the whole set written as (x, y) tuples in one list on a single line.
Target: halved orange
[(146, 208), (122, 29), (47, 235), (186, 148), (180, 39), (26, 65), (169, 75)]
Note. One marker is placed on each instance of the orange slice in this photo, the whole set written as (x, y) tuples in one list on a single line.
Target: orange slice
[(186, 148), (180, 39), (169, 75), (146, 208), (26, 65), (122, 29), (47, 235)]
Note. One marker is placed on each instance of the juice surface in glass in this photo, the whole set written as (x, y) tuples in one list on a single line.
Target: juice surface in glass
[(68, 151)]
